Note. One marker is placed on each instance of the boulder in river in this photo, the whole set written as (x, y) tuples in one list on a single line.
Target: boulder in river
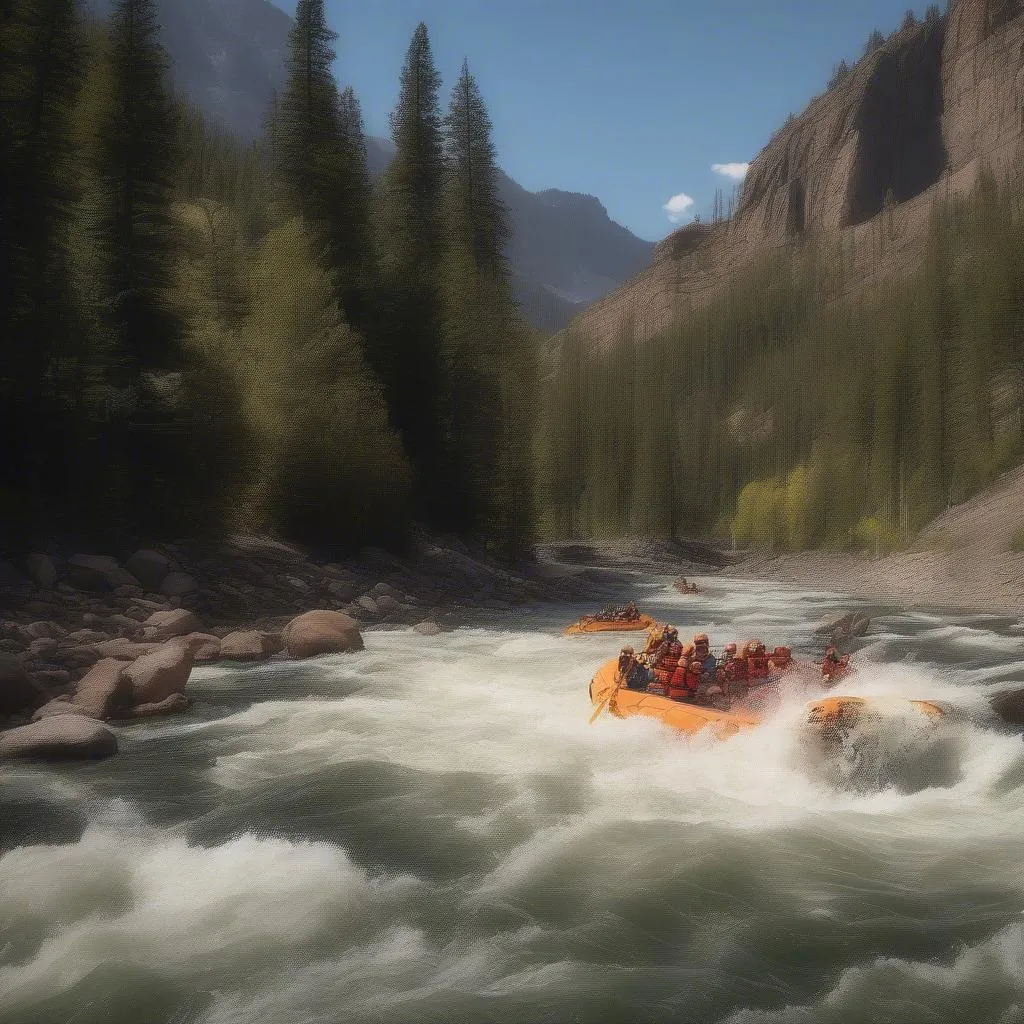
[(1009, 706), (249, 645), (154, 677), (171, 705), (321, 632), (428, 628), (59, 738), (849, 625), (103, 689)]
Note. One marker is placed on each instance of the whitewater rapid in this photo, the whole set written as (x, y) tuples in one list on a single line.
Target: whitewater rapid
[(429, 830)]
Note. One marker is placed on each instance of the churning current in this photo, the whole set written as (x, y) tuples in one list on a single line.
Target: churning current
[(430, 831)]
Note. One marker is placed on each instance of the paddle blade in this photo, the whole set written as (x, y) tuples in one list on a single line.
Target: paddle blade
[(594, 717)]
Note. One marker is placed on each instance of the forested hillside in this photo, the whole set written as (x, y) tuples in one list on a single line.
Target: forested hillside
[(204, 335), (794, 412)]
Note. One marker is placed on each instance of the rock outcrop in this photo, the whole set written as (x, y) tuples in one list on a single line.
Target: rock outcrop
[(915, 120)]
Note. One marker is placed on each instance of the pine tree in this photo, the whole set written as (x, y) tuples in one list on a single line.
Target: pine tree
[(134, 227), (41, 71), (320, 156), (406, 352), (478, 312)]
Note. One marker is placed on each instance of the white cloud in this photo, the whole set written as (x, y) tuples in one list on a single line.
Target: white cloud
[(735, 171), (677, 206)]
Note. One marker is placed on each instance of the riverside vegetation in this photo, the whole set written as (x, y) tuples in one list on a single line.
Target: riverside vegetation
[(206, 336)]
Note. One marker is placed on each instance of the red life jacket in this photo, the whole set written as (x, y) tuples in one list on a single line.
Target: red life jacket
[(737, 667), (757, 666), (694, 676), (677, 684), (782, 656)]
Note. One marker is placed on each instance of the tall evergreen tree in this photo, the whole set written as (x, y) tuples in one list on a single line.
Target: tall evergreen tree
[(320, 156), (42, 47), (134, 227), (407, 350)]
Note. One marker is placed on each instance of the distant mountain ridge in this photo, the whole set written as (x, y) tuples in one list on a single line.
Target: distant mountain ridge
[(566, 252)]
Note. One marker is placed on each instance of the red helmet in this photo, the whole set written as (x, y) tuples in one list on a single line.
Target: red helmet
[(730, 648)]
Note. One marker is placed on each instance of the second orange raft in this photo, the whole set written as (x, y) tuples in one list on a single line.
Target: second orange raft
[(610, 625)]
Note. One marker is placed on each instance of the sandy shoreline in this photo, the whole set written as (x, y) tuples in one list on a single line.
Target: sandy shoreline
[(964, 580)]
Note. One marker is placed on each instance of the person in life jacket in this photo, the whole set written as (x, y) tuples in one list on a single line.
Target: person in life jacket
[(757, 662), (631, 612), (834, 667), (677, 688), (660, 644), (668, 661), (781, 658), (654, 685), (702, 650), (716, 691)]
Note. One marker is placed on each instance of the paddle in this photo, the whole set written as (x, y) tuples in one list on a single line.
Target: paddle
[(619, 680)]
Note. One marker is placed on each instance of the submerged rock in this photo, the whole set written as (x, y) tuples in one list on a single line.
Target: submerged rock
[(1009, 706)]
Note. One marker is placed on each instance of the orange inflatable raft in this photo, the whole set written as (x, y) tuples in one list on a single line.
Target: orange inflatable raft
[(687, 718), (826, 713), (589, 625)]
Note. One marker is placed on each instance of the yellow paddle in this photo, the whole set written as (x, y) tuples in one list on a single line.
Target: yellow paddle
[(619, 680)]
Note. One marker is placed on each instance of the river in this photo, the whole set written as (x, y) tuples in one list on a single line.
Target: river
[(430, 831)]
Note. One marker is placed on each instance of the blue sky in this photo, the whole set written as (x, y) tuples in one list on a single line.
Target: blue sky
[(632, 102)]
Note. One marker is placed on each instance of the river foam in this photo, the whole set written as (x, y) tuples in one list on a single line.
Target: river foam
[(429, 830)]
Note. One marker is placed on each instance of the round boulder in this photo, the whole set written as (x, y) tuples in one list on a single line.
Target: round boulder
[(321, 632), (59, 738)]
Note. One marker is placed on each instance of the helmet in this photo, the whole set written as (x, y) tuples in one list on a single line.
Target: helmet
[(700, 638), (730, 648), (628, 650), (830, 652)]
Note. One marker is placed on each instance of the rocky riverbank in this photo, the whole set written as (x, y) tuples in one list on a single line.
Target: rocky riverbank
[(86, 638)]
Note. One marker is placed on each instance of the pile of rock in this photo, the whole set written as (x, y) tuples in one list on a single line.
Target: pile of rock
[(129, 680)]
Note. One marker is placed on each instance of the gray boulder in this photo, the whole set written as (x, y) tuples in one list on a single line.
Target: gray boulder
[(98, 573), (150, 568), (59, 738)]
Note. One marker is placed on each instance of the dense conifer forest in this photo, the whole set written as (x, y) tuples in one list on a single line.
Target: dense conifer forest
[(203, 335)]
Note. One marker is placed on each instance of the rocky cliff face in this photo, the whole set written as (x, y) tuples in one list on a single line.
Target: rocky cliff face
[(919, 116)]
